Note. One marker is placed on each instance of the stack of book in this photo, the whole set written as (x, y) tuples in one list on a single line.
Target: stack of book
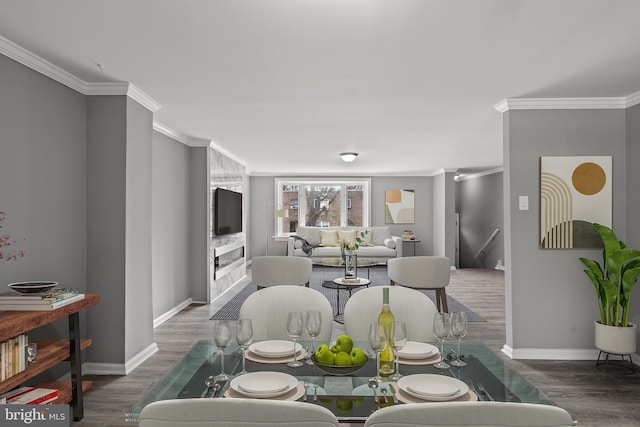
[(45, 301), (12, 356), (30, 396)]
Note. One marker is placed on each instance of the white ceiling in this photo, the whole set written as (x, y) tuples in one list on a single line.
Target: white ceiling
[(286, 85)]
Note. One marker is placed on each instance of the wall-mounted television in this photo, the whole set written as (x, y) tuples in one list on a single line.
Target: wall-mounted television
[(227, 216)]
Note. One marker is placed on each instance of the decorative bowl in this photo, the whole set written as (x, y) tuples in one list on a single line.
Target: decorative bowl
[(32, 287), (337, 369)]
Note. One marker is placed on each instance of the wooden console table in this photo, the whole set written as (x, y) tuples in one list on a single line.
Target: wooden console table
[(52, 352)]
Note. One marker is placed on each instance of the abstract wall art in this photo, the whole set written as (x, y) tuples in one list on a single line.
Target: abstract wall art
[(574, 193), (399, 207)]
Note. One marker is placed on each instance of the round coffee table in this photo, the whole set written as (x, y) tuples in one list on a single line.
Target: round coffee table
[(349, 285)]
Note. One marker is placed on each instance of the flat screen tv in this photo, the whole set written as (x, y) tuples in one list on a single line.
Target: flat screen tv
[(227, 216)]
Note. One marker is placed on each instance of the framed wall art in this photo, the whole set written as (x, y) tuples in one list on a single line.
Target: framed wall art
[(399, 207), (574, 193)]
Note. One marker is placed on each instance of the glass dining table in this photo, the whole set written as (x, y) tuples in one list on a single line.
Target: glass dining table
[(349, 397)]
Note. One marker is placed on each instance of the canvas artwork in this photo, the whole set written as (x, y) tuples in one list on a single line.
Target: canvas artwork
[(574, 193), (399, 207)]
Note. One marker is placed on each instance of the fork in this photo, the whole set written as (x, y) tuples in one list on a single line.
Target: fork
[(472, 387)]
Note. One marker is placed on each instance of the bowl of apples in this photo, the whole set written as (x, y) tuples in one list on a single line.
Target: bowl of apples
[(342, 358)]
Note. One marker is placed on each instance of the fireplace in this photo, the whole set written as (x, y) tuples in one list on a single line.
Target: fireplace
[(227, 258)]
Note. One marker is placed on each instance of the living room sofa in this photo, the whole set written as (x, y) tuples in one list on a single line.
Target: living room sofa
[(323, 242)]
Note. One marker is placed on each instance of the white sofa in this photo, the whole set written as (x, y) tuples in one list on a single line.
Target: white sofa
[(383, 245)]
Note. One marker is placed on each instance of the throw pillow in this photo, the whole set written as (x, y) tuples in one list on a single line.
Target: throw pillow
[(328, 237), (347, 236), (390, 243), (365, 235)]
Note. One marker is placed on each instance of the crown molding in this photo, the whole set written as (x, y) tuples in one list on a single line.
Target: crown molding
[(46, 68), (444, 170), (568, 103), (171, 133), (480, 174), (28, 59)]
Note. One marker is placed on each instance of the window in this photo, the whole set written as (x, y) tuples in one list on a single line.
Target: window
[(322, 203)]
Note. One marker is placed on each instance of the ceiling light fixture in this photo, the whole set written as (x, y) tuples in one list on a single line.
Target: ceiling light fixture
[(348, 157)]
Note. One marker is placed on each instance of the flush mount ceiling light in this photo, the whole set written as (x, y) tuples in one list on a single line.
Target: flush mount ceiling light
[(348, 157)]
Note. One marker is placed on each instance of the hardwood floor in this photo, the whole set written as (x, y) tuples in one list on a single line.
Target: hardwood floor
[(593, 397)]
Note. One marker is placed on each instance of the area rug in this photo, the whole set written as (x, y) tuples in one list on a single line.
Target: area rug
[(377, 275)]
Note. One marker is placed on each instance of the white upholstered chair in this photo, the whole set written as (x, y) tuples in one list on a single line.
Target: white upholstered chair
[(468, 414), (268, 309), (235, 413), (422, 272), (414, 307), (280, 270)]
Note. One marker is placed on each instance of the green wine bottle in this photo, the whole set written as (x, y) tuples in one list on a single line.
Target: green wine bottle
[(386, 366)]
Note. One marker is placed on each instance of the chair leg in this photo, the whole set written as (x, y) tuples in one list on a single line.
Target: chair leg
[(441, 297), (306, 284), (392, 283)]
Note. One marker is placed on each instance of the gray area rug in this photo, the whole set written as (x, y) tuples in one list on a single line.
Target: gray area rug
[(377, 275)]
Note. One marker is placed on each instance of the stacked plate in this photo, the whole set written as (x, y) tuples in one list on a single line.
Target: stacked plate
[(434, 388), (418, 353), (264, 385), (274, 351)]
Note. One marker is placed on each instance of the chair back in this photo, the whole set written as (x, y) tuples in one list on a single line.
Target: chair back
[(412, 306), (268, 309), (280, 270), (234, 413), (423, 272), (462, 414)]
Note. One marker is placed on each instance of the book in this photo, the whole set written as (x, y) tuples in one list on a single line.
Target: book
[(30, 396), (51, 294), (37, 300), (10, 306)]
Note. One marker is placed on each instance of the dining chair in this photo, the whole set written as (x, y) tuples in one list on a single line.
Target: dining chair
[(268, 309), (415, 308), (280, 270), (234, 413), (422, 272), (469, 414)]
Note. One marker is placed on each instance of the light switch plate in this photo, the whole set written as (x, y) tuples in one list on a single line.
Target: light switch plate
[(524, 203)]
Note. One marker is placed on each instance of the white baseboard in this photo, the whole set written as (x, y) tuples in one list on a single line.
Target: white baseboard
[(554, 353), (169, 314), (119, 368)]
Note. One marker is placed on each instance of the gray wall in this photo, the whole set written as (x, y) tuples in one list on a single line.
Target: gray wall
[(552, 302), (42, 181), (479, 201), (263, 194), (632, 199), (170, 224)]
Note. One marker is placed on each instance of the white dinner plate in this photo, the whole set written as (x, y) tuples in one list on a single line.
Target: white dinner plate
[(274, 348), (417, 350), (263, 384), (437, 388)]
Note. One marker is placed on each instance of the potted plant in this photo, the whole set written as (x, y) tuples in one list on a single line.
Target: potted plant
[(613, 282)]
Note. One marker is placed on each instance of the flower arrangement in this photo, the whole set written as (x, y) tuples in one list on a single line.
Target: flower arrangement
[(348, 245)]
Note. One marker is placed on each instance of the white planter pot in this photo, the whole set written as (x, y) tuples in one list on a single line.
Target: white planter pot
[(616, 339)]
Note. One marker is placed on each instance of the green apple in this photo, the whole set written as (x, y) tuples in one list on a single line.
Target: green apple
[(343, 359), (324, 355), (357, 356), (344, 343), (344, 405)]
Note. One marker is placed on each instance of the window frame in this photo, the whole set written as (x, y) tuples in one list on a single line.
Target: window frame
[(342, 182)]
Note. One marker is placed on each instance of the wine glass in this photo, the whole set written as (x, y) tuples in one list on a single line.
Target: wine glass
[(244, 337), (459, 327), (295, 325), (441, 330), (377, 342), (398, 341), (313, 326), (222, 335)]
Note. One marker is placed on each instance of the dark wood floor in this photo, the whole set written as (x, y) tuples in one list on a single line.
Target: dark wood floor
[(593, 397)]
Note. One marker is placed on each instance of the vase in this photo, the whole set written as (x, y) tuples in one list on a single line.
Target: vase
[(616, 339), (350, 265)]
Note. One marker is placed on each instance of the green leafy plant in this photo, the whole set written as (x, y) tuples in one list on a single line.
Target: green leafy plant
[(353, 245), (615, 279)]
